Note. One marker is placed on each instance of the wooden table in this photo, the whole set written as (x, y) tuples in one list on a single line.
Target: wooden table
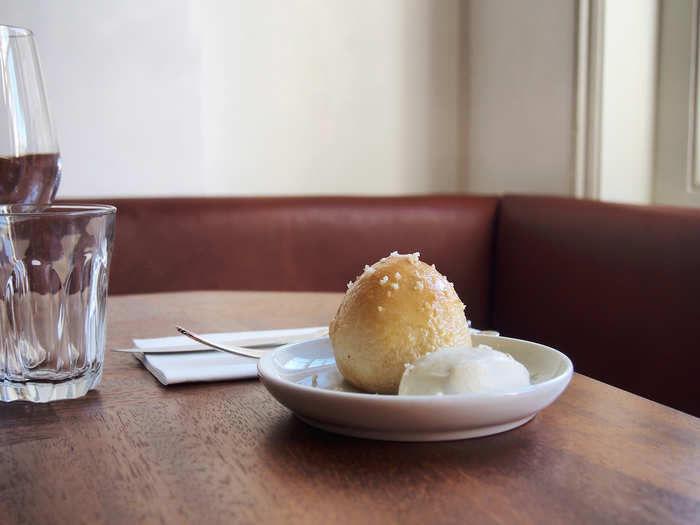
[(137, 452)]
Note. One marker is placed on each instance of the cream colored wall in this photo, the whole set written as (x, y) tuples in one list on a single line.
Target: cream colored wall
[(519, 89), (331, 96), (518, 96), (628, 101), (267, 97), (124, 86), (214, 97)]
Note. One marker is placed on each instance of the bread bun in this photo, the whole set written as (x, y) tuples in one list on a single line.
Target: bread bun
[(398, 310)]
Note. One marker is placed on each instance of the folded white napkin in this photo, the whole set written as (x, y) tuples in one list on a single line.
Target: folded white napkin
[(186, 367)]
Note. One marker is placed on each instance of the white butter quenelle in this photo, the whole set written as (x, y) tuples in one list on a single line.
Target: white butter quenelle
[(463, 370)]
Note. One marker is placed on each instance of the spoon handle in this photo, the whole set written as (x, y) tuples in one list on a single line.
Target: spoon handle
[(236, 350)]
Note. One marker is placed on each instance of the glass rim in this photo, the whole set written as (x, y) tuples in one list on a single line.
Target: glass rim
[(17, 31), (55, 210)]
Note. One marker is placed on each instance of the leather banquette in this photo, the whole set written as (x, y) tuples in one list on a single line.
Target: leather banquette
[(616, 287)]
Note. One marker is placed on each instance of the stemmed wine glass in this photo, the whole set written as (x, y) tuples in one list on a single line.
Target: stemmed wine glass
[(30, 163), (30, 172)]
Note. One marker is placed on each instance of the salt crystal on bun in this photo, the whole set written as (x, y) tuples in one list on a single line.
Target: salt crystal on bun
[(398, 310)]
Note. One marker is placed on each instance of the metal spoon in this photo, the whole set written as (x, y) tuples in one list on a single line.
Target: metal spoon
[(239, 350), (236, 350)]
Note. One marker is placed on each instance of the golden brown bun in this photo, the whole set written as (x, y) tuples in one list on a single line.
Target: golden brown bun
[(396, 311)]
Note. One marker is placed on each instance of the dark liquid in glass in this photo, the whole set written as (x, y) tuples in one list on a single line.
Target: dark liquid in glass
[(29, 179)]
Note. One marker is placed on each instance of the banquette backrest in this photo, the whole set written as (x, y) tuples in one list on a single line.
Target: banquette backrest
[(616, 287), (299, 243)]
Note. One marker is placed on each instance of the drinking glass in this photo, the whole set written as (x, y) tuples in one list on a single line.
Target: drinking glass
[(30, 163), (54, 266)]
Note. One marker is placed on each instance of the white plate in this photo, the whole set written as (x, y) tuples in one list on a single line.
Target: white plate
[(304, 378)]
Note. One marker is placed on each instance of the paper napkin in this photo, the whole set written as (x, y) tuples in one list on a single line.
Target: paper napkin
[(206, 365)]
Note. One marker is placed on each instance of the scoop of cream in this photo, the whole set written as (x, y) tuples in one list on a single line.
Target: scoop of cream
[(463, 370)]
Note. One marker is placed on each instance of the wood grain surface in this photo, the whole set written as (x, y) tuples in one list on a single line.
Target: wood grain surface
[(134, 451)]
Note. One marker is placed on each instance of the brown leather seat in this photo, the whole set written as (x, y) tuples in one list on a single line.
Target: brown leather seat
[(298, 243), (615, 287)]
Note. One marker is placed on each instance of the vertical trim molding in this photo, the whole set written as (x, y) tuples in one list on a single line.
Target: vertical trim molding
[(588, 97), (693, 172), (677, 148)]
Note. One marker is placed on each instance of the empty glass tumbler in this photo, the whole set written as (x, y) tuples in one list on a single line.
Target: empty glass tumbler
[(54, 266)]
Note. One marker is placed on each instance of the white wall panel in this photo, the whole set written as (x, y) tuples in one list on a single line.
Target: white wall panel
[(518, 96), (215, 97)]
